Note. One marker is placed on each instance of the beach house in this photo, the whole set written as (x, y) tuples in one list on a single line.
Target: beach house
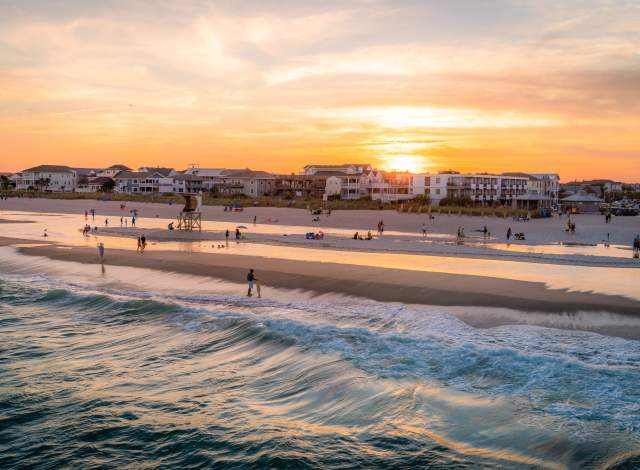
[(47, 178), (246, 182), (143, 182)]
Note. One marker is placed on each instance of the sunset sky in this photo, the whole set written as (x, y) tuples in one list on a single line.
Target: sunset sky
[(544, 86)]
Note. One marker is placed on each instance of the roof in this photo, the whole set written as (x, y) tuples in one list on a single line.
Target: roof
[(205, 171), (581, 198), (519, 174), (132, 174), (183, 177), (162, 170), (49, 169), (86, 171), (341, 165), (247, 173), (327, 173), (118, 167)]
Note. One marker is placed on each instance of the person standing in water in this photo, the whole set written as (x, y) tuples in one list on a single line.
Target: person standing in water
[(251, 278), (101, 251)]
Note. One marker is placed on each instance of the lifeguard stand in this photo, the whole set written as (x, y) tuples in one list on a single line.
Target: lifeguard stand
[(191, 216)]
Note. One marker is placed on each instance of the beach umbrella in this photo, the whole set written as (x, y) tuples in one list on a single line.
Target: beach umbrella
[(242, 227)]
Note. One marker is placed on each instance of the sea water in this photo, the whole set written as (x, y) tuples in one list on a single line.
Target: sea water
[(134, 368)]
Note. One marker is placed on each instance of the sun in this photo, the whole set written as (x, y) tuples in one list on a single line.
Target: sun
[(410, 163)]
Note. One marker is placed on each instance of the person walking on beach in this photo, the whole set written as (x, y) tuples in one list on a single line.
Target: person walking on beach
[(101, 251), (509, 233), (93, 214), (86, 215), (238, 235), (143, 243), (251, 277), (106, 222), (226, 237), (636, 246), (139, 247), (121, 221), (255, 219), (133, 221), (424, 230)]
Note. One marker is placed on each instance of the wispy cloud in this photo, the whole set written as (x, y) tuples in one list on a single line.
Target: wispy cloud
[(542, 82)]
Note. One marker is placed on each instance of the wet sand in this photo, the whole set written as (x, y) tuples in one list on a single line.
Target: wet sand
[(382, 284)]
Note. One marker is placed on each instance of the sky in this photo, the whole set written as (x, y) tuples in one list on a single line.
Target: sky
[(477, 85)]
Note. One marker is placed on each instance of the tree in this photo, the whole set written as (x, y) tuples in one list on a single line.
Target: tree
[(107, 186), (42, 183)]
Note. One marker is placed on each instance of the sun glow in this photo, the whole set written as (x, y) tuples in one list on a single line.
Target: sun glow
[(410, 163)]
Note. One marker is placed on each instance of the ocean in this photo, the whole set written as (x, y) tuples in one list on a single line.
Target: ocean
[(133, 368)]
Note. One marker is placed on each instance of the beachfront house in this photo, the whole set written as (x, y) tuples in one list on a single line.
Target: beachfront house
[(112, 171), (210, 177), (394, 186), (94, 185), (307, 186), (143, 182), (348, 181), (246, 182), (187, 183), (57, 178)]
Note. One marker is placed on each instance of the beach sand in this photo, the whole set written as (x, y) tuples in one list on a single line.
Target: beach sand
[(590, 227), (382, 284)]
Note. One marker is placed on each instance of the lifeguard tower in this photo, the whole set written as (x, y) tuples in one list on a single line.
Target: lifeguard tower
[(191, 216)]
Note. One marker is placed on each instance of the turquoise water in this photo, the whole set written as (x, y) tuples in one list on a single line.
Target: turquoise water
[(125, 369)]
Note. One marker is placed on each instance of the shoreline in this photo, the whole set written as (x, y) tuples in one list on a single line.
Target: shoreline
[(468, 250), (380, 284)]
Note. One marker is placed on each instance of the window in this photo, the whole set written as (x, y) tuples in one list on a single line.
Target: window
[(438, 181), (438, 191)]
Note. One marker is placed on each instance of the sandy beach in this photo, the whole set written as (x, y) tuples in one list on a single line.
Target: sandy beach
[(387, 268), (389, 285), (590, 228)]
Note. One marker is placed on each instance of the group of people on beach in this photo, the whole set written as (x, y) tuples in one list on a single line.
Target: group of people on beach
[(86, 230), (357, 236)]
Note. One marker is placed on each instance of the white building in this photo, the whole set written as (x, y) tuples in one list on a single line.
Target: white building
[(143, 182), (545, 184), (57, 178)]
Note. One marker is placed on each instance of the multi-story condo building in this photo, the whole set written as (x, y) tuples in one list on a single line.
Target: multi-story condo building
[(542, 190), (479, 188), (47, 178)]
